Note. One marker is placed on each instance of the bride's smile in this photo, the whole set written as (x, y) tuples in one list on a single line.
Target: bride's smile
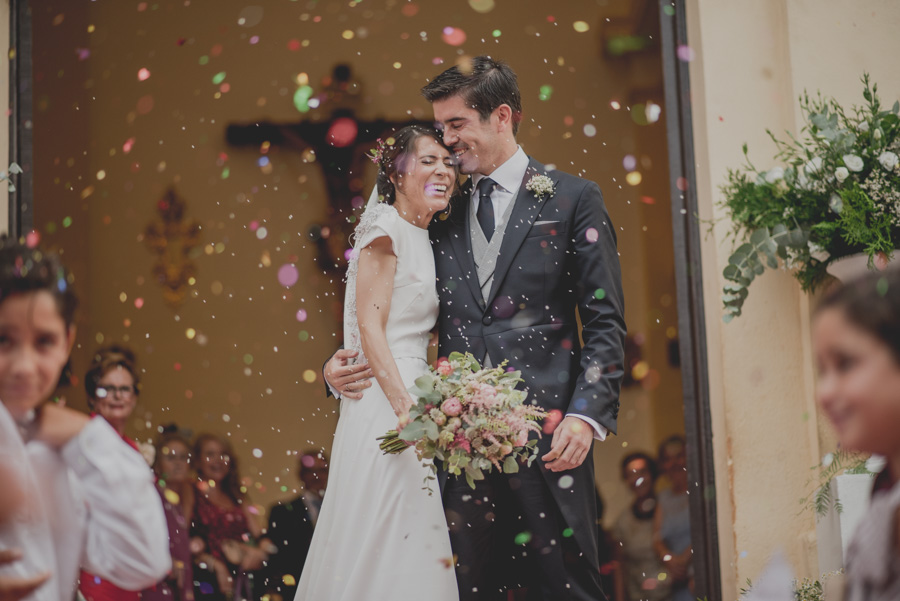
[(425, 182)]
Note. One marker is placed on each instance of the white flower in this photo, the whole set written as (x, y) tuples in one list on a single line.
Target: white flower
[(540, 185), (814, 165), (888, 160), (863, 126), (774, 174), (802, 181), (853, 162), (841, 174), (817, 252), (877, 133)]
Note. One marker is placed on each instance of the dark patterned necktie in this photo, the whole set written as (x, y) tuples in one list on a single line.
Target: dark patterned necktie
[(485, 211)]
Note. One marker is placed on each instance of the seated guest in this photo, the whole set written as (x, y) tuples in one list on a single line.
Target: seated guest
[(111, 383), (291, 526), (672, 521), (633, 533), (226, 538), (85, 499), (173, 481)]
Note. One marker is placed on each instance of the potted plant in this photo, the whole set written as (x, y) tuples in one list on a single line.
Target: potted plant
[(836, 195)]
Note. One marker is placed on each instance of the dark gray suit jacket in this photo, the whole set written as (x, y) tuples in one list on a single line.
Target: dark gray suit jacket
[(558, 263)]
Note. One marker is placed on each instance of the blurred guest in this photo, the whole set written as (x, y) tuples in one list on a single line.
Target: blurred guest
[(111, 383), (173, 481), (88, 499), (672, 521), (856, 340), (291, 525), (227, 540), (633, 533)]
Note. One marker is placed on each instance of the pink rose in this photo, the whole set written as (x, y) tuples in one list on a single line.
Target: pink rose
[(452, 407), (444, 368), (460, 442)]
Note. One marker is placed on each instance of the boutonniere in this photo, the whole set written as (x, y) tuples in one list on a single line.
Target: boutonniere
[(540, 186)]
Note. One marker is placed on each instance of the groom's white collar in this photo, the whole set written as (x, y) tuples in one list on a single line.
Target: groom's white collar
[(509, 175)]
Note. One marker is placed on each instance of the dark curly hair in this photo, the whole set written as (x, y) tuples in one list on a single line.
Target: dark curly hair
[(24, 269), (395, 156), (872, 303)]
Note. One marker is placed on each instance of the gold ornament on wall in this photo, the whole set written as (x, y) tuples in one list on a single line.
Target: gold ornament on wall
[(173, 239)]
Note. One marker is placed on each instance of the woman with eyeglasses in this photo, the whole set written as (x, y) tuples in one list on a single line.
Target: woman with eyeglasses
[(111, 383), (226, 537)]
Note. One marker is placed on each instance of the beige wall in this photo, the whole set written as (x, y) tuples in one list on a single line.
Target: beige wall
[(753, 60), (4, 123)]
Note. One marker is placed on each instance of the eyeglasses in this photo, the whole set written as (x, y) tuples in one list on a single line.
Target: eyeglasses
[(123, 392)]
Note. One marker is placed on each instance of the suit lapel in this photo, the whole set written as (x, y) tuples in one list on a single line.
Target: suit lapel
[(526, 208), (458, 231)]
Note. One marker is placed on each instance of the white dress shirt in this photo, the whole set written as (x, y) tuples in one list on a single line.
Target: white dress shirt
[(508, 178), (92, 505)]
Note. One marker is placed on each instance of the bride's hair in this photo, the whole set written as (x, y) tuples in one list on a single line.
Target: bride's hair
[(394, 157)]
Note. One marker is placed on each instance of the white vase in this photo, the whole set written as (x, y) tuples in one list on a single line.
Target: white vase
[(835, 529), (851, 267)]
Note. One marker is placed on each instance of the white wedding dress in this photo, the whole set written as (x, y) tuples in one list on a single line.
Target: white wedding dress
[(379, 534)]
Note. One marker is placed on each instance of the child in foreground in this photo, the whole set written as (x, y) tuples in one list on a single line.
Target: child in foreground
[(81, 497), (856, 339)]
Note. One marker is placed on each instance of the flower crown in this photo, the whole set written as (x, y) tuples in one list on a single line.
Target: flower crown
[(376, 155)]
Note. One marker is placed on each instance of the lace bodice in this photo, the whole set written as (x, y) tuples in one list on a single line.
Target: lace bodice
[(414, 304)]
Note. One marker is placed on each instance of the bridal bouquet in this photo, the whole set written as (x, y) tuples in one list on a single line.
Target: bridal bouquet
[(469, 418)]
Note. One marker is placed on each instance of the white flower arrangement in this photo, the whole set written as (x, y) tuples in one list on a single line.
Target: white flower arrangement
[(853, 162), (540, 186)]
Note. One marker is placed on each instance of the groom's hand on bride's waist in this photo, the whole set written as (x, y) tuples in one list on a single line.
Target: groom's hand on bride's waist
[(570, 446), (347, 380)]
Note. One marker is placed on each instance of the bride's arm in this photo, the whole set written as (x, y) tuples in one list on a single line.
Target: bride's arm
[(374, 289)]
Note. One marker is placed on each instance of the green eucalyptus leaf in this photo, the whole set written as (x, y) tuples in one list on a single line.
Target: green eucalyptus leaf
[(510, 465), (413, 431)]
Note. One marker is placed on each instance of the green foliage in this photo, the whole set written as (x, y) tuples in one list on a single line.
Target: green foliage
[(820, 500), (836, 194)]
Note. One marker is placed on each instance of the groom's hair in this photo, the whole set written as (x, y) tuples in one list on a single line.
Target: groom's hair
[(483, 83)]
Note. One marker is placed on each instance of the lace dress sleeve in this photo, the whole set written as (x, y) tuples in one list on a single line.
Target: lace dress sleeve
[(376, 222)]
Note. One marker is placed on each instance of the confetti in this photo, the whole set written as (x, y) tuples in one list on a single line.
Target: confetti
[(288, 275), (545, 92), (580, 26), (592, 235), (143, 74), (454, 36), (566, 481), (250, 16), (590, 130), (482, 6), (523, 538), (301, 315)]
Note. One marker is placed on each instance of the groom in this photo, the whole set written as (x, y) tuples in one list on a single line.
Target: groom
[(525, 256)]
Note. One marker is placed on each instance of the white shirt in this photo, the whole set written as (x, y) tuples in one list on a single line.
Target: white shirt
[(508, 178), (92, 505)]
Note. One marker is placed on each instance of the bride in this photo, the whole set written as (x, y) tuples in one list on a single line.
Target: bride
[(379, 534)]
